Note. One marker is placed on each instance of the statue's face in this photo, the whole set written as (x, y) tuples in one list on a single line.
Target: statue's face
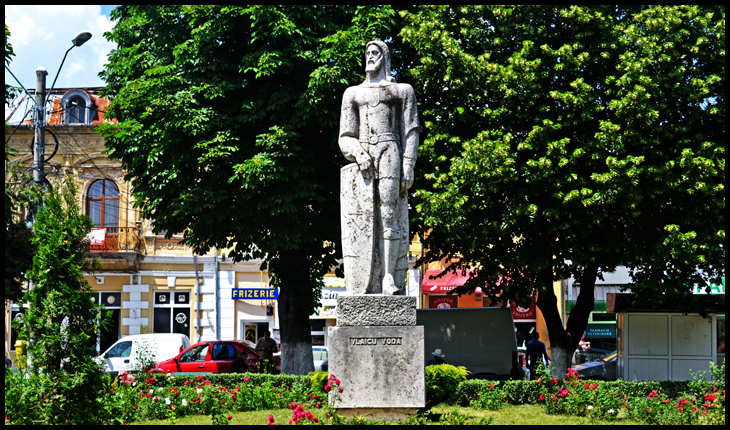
[(373, 58)]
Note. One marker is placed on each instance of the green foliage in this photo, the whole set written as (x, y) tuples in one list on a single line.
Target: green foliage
[(61, 323), (442, 381), (454, 418), (145, 356), (570, 137), (491, 397), (319, 380), (237, 379)]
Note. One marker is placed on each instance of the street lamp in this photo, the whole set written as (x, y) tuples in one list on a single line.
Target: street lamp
[(41, 100)]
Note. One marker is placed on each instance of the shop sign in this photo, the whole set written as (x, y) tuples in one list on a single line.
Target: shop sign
[(443, 302), (520, 313), (600, 332), (255, 293), (714, 288)]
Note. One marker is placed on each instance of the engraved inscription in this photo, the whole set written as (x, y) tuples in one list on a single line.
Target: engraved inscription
[(359, 341)]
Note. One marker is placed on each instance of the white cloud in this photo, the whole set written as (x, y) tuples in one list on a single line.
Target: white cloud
[(41, 35)]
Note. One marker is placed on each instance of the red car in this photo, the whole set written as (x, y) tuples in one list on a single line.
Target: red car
[(213, 357)]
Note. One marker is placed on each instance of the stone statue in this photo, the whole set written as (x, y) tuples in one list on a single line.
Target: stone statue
[(379, 132)]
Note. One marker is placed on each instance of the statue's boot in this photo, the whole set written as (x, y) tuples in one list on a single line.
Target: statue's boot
[(391, 255)]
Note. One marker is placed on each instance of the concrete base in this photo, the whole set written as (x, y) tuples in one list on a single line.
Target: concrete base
[(375, 309), (380, 367), (382, 414)]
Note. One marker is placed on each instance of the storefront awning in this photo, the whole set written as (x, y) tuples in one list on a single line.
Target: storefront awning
[(445, 283)]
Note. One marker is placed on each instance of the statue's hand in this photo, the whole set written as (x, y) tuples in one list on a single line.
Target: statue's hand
[(407, 182), (366, 164)]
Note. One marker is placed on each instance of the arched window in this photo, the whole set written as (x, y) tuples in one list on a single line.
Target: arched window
[(77, 110), (102, 203)]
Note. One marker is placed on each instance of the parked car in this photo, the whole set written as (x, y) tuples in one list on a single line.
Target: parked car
[(325, 365), (320, 354), (214, 357), (126, 353), (593, 354), (603, 368), (8, 364)]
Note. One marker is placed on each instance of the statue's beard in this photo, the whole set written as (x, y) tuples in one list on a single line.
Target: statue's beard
[(373, 66)]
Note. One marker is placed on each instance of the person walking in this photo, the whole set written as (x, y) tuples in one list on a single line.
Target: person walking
[(536, 351), (266, 347)]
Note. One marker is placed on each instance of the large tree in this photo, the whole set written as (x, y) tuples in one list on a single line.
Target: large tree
[(228, 122), (566, 141)]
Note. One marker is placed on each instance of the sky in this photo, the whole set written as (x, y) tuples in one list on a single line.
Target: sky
[(41, 35)]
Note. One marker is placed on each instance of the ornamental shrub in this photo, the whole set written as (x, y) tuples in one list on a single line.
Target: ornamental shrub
[(491, 398), (442, 381)]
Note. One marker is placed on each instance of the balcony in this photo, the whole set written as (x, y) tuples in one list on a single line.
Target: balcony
[(119, 239), (118, 249)]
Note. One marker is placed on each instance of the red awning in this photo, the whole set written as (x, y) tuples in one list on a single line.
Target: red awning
[(445, 283)]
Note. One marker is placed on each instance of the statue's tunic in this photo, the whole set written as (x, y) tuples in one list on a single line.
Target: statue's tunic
[(378, 122)]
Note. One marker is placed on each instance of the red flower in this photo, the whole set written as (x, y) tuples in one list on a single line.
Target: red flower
[(542, 397), (491, 386), (327, 388), (340, 389), (230, 417), (245, 379), (337, 382)]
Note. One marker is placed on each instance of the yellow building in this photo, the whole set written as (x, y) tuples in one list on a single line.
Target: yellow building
[(147, 281)]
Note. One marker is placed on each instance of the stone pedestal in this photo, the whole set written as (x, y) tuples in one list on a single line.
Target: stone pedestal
[(376, 351)]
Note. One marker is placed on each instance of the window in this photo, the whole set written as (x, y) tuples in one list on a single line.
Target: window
[(197, 353), (223, 351), (172, 312), (102, 203), (122, 349), (76, 108)]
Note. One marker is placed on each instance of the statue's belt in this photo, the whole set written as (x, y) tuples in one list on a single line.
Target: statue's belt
[(374, 139)]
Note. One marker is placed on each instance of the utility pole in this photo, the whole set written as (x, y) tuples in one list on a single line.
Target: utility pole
[(39, 152)]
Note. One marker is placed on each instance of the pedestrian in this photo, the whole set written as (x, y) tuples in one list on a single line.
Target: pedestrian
[(238, 365), (582, 350), (438, 358), (266, 347), (536, 351)]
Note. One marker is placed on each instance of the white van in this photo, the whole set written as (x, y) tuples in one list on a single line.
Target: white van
[(125, 354)]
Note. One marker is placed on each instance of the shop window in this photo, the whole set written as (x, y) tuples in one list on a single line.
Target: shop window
[(172, 312), (102, 203)]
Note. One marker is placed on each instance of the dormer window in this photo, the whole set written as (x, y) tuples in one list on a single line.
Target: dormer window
[(77, 111), (77, 107)]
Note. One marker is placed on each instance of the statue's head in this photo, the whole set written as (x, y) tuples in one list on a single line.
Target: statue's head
[(377, 58)]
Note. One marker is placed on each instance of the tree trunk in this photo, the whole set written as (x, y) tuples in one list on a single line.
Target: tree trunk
[(294, 312), (564, 341)]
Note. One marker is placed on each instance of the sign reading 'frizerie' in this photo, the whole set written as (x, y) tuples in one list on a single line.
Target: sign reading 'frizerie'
[(254, 293), (376, 341)]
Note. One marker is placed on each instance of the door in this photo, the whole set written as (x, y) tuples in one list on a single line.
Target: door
[(221, 357), (194, 359), (119, 356)]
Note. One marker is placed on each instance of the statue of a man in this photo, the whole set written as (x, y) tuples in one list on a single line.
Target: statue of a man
[(379, 131)]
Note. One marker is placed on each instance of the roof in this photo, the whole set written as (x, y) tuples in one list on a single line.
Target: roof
[(628, 303)]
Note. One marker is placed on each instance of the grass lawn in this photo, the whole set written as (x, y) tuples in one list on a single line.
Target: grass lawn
[(515, 415)]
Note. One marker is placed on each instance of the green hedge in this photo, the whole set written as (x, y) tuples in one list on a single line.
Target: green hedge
[(522, 392), (232, 379)]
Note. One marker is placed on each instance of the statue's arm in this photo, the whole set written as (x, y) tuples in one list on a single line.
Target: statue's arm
[(409, 131), (349, 133)]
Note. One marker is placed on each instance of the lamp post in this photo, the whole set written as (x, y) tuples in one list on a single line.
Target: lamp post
[(39, 152)]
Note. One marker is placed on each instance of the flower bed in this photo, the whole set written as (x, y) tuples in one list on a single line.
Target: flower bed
[(160, 396)]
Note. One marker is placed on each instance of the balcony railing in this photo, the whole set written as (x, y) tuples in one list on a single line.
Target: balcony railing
[(120, 239)]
